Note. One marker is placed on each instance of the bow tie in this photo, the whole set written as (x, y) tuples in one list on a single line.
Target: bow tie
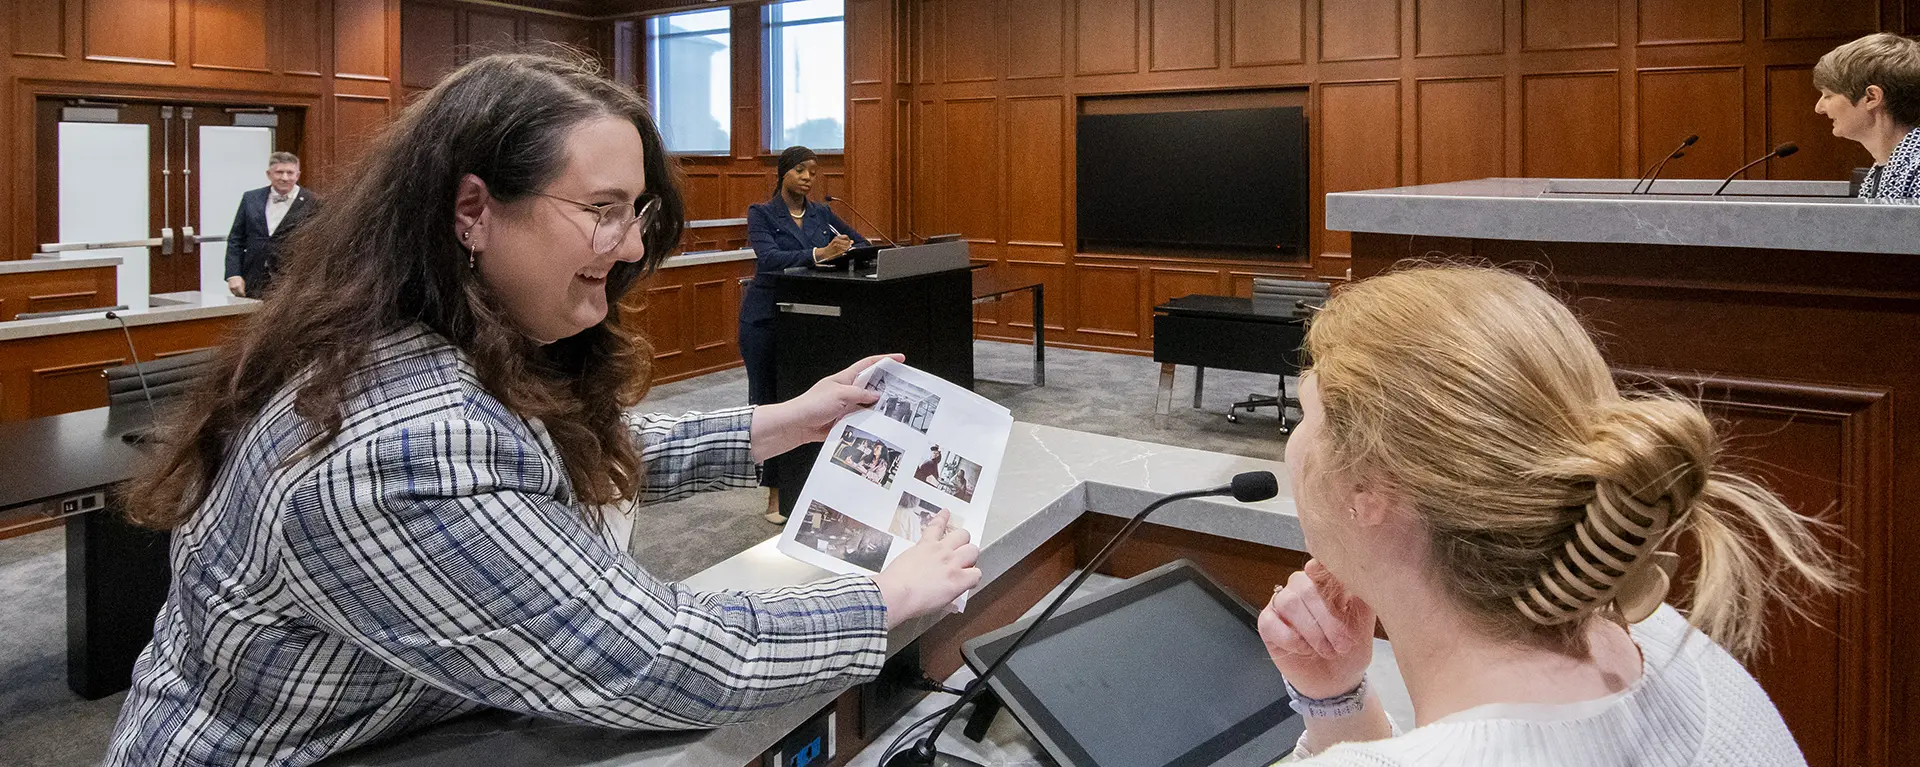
[(282, 197)]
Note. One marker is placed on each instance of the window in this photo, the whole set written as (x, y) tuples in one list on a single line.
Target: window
[(807, 74), (687, 77)]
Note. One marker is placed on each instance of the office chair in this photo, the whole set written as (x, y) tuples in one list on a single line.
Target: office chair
[(1298, 298), (133, 403)]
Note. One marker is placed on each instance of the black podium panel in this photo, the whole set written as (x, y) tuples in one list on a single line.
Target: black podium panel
[(829, 320), (117, 578)]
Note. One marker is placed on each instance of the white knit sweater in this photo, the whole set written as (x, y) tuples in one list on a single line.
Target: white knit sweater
[(1694, 705)]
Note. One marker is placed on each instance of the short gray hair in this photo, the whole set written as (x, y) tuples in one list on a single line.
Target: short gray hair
[(282, 158)]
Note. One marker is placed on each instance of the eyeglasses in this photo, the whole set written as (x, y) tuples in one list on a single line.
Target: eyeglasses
[(615, 218)]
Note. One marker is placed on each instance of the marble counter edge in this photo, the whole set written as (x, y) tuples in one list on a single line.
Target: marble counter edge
[(84, 323), (706, 257), (41, 264)]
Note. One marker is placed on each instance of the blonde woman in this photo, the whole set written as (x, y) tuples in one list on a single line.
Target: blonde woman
[(1468, 475)]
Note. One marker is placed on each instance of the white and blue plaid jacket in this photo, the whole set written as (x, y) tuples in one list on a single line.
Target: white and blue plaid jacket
[(431, 561)]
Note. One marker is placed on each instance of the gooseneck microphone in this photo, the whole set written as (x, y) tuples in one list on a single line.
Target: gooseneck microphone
[(1246, 487), (1653, 174), (869, 222), (1783, 150), (134, 355)]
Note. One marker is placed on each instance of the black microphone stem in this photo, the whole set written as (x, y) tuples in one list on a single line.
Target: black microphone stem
[(1782, 150), (924, 750), (864, 219)]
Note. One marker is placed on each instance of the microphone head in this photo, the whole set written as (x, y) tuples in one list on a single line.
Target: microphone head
[(112, 316), (1689, 140), (831, 198), (1250, 486), (1786, 149)]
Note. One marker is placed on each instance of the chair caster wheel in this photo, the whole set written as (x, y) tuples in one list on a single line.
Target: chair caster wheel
[(1232, 417)]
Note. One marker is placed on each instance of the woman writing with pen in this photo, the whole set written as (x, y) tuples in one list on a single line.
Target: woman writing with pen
[(786, 231)]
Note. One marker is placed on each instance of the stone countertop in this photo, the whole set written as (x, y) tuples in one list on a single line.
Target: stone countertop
[(1789, 215), (53, 264), (167, 307), (707, 257), (1049, 478)]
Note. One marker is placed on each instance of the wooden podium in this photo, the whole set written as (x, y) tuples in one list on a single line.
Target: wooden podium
[(915, 300)]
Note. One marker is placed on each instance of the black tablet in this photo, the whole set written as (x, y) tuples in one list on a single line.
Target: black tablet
[(1165, 669)]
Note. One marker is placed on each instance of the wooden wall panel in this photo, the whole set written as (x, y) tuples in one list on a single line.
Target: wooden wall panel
[(302, 36), (667, 320), (135, 31), (1461, 127), (228, 34), (1570, 126), (1108, 300), (745, 189), (971, 45), (1034, 38), (39, 28), (1790, 117), (489, 32), (705, 195), (1036, 170), (1458, 27), (1792, 19), (870, 181), (356, 120), (866, 28), (1710, 102), (1018, 308), (1566, 24), (1691, 21), (578, 34), (1108, 36), (973, 153), (429, 43), (67, 388), (1354, 30), (360, 39), (1267, 32), (1359, 141), (1167, 283), (1184, 34)]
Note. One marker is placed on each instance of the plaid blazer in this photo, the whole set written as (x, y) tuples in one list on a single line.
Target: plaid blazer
[(432, 561)]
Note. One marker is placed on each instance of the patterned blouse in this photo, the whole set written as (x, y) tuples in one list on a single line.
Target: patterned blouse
[(432, 561), (1899, 177)]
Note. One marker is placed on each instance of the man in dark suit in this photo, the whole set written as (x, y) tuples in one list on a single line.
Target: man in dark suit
[(267, 216)]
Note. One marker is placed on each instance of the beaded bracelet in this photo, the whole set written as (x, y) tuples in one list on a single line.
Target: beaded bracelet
[(1344, 704)]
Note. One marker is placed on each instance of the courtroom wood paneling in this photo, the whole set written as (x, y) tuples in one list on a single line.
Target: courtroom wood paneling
[(1458, 27), (57, 374), (39, 29), (1792, 19), (301, 38), (1167, 283), (970, 46), (704, 195), (577, 34), (746, 188), (1570, 126), (1359, 142), (1461, 128), (667, 310), (866, 29), (691, 316), (1184, 34), (429, 42), (1267, 32), (869, 181), (361, 39), (973, 148), (1356, 30), (67, 388), (1018, 307), (56, 291), (1548, 25), (488, 32), (1790, 117), (130, 31), (1710, 102), (1035, 42), (1107, 300), (1107, 36), (356, 120), (228, 34), (1691, 21), (1036, 171)]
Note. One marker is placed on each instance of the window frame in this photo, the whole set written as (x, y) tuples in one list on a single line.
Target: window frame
[(770, 76), (656, 70)]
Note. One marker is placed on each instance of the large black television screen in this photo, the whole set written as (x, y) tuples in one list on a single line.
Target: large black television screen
[(1229, 181)]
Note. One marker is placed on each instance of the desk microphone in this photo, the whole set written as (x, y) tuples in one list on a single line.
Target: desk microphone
[(1783, 150), (135, 356), (1653, 174), (1246, 487), (869, 222)]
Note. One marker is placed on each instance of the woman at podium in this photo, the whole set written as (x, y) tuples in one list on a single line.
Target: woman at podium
[(1870, 89), (786, 231)]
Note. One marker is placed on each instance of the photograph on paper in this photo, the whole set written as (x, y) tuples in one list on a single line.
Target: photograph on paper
[(902, 401), (837, 535), (950, 473), (914, 513), (867, 456)]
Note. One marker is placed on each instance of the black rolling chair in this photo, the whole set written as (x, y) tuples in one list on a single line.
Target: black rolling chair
[(1299, 298), (135, 394)]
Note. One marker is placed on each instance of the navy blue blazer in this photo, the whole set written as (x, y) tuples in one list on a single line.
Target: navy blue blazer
[(780, 244), (252, 252)]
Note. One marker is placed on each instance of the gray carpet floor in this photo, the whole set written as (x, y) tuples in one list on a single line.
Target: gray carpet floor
[(45, 725)]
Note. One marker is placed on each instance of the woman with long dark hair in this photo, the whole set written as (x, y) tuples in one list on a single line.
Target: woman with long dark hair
[(383, 501)]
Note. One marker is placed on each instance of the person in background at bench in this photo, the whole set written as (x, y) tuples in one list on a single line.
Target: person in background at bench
[(1870, 89), (387, 498), (266, 218), (1468, 472), (786, 231)]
